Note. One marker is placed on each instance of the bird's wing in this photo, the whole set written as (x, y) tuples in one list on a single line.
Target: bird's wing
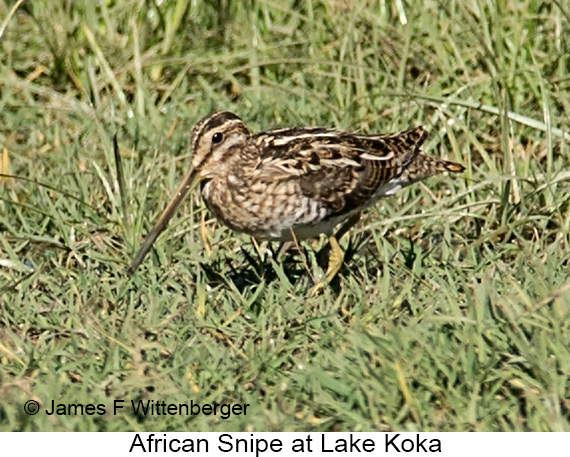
[(344, 171)]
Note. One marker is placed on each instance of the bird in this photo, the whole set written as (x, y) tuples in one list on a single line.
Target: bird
[(293, 184)]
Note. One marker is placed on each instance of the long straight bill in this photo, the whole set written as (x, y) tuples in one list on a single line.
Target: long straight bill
[(188, 183)]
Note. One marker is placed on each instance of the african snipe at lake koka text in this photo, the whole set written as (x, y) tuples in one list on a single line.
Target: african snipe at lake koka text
[(296, 183)]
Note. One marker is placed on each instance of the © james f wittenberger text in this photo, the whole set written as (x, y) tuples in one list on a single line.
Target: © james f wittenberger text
[(139, 408)]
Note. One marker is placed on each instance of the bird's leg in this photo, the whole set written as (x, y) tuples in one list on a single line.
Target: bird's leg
[(351, 222), (284, 246), (324, 253), (334, 253), (336, 258)]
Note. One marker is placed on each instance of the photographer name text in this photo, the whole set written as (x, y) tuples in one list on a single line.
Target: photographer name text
[(148, 408)]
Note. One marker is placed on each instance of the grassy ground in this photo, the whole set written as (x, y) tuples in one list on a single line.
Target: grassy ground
[(453, 311)]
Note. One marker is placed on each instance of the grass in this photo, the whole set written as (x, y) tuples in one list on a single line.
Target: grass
[(453, 309)]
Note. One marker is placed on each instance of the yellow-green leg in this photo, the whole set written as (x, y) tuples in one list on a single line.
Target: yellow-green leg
[(334, 253), (336, 259)]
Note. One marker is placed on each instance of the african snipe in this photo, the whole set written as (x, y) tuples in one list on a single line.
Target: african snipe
[(296, 183)]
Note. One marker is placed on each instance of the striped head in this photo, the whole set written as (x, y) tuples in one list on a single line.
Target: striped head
[(215, 141)]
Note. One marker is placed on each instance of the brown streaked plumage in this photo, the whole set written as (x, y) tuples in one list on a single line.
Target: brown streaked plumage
[(296, 182)]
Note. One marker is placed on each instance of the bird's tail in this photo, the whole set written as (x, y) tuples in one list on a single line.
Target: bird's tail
[(423, 166)]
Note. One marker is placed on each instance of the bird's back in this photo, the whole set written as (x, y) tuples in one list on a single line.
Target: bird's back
[(346, 171)]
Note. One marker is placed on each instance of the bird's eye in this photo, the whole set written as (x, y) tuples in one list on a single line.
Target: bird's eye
[(217, 137)]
